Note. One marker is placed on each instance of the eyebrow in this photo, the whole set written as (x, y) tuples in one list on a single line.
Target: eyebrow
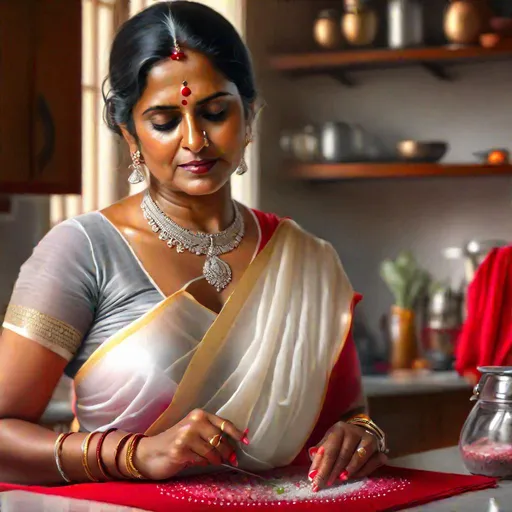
[(175, 107)]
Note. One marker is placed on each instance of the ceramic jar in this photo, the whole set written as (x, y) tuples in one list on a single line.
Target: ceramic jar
[(326, 30), (465, 20), (359, 25)]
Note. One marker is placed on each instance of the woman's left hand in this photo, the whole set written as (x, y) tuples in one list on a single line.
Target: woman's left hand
[(346, 451)]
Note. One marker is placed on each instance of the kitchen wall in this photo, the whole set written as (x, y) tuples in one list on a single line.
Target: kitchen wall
[(368, 221), (19, 233)]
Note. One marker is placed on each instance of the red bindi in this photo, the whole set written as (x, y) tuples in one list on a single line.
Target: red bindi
[(185, 91), (184, 102)]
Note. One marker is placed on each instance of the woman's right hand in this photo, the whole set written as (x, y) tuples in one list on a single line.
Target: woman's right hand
[(188, 444)]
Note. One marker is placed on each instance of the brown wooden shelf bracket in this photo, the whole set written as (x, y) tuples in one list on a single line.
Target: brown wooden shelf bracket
[(342, 77), (438, 71)]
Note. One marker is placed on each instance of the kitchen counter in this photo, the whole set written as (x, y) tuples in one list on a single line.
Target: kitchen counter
[(410, 383), (447, 460), (444, 461), (419, 410)]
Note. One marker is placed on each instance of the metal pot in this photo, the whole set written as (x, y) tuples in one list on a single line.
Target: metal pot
[(335, 141), (405, 22), (305, 144)]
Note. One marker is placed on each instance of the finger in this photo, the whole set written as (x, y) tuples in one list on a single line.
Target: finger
[(205, 449), (316, 455), (220, 442), (331, 450), (376, 461), (367, 447), (351, 441), (228, 428)]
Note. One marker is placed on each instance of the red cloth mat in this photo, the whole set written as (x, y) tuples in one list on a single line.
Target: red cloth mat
[(388, 489)]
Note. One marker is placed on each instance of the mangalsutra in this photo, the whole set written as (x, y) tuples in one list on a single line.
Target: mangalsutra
[(216, 271)]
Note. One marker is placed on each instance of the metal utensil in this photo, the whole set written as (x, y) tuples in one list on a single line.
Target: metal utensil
[(248, 473)]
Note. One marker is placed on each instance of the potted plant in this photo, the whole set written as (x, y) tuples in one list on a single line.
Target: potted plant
[(406, 281)]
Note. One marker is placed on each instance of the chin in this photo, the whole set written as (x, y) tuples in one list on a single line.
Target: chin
[(203, 185)]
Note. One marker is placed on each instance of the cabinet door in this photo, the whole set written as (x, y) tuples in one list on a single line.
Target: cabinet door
[(16, 83), (57, 100)]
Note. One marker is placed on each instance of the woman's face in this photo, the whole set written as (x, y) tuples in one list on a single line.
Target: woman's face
[(170, 126)]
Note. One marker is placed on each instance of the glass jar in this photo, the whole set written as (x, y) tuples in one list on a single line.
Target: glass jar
[(486, 438)]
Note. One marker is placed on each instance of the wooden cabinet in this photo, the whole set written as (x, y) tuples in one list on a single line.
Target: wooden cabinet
[(40, 96)]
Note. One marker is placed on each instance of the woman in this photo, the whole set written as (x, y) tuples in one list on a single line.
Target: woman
[(221, 333)]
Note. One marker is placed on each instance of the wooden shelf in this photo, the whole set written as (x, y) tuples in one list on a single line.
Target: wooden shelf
[(433, 59), (372, 57), (364, 170)]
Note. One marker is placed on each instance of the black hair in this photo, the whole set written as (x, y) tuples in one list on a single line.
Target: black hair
[(146, 39)]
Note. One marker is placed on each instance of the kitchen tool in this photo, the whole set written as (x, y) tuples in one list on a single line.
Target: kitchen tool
[(443, 322), (421, 151), (405, 23), (326, 29), (486, 438), (248, 473)]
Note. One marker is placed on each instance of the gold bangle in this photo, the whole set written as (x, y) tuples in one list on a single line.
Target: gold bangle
[(85, 455), (130, 453), (119, 447), (372, 428), (57, 451)]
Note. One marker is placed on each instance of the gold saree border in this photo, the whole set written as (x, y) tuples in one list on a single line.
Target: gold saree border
[(44, 329), (216, 334), (121, 335)]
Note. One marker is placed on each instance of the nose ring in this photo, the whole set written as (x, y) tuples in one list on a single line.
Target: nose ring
[(206, 140)]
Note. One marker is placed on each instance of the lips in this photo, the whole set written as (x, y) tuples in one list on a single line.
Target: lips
[(199, 166)]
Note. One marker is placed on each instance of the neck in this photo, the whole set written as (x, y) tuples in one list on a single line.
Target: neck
[(209, 214)]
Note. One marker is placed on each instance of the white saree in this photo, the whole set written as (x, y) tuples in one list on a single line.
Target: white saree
[(263, 363)]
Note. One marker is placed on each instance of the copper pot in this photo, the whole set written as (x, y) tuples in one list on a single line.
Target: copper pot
[(465, 20), (326, 30), (359, 26)]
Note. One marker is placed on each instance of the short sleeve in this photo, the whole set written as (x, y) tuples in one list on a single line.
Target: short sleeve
[(54, 297)]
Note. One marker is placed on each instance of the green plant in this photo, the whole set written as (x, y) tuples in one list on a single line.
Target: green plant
[(405, 279)]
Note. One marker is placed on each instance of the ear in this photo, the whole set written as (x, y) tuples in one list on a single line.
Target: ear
[(129, 138)]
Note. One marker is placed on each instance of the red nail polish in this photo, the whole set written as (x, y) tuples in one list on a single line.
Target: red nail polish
[(246, 431), (312, 452), (315, 488), (344, 476), (245, 441), (312, 474), (232, 460), (321, 450)]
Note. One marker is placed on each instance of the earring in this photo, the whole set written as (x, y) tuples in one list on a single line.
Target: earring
[(242, 167), (206, 140), (137, 176)]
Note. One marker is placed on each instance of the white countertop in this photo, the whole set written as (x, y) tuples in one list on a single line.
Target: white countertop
[(413, 382), (447, 460)]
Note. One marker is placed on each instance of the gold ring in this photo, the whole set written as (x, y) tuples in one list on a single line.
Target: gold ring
[(215, 440), (361, 452), (222, 426)]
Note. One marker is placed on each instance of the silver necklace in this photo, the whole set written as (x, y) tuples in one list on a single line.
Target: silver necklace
[(217, 272)]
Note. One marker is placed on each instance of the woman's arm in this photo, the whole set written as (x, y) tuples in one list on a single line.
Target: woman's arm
[(28, 375)]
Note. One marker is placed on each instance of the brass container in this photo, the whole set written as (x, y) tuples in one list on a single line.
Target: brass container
[(404, 346), (326, 31), (465, 20), (359, 26)]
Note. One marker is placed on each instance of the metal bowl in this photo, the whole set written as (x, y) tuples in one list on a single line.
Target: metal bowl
[(421, 151)]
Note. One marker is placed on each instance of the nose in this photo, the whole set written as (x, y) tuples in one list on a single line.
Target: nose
[(193, 137)]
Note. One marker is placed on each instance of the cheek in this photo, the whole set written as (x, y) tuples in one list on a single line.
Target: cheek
[(229, 137), (157, 146)]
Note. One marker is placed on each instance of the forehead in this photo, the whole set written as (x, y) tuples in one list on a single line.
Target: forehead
[(165, 80)]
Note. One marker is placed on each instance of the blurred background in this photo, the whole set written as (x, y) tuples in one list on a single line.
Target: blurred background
[(385, 128)]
